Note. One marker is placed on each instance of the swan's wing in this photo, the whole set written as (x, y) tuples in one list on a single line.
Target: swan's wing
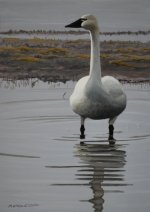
[(112, 86)]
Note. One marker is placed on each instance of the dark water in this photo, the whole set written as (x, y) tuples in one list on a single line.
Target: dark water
[(43, 167)]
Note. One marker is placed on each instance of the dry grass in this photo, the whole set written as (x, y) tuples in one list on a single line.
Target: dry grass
[(32, 54), (11, 40), (30, 59), (7, 49), (83, 56), (55, 51), (24, 48), (145, 58), (38, 54), (122, 63)]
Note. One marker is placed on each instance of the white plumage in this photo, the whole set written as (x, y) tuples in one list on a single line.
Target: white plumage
[(94, 96)]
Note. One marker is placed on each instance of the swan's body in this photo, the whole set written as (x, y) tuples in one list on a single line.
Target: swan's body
[(95, 101), (94, 96)]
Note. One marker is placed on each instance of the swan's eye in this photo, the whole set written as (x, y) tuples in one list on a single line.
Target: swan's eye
[(83, 19)]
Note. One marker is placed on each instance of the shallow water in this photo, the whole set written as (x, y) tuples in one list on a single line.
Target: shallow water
[(43, 167)]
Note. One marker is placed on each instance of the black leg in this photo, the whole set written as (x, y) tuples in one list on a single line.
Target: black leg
[(111, 134), (82, 129)]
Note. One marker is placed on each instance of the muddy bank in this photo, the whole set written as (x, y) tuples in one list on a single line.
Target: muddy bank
[(57, 60)]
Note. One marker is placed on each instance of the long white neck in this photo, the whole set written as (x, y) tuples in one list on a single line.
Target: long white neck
[(95, 67)]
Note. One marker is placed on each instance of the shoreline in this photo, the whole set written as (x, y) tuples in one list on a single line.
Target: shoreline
[(75, 32), (64, 60)]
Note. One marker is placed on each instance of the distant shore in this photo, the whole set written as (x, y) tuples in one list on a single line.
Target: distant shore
[(62, 60), (77, 32)]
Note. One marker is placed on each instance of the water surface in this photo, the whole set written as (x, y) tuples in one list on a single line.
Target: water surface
[(43, 167), (55, 14)]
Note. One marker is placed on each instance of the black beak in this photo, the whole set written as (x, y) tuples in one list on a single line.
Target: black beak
[(76, 24)]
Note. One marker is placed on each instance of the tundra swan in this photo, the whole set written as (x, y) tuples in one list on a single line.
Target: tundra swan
[(96, 97)]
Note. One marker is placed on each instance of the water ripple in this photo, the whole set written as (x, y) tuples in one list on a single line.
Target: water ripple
[(18, 156)]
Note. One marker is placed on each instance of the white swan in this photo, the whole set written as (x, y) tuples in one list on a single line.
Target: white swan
[(95, 97)]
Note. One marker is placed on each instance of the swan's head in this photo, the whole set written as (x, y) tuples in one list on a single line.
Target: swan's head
[(87, 22)]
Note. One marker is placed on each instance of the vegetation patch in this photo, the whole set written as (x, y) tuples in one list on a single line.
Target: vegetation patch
[(83, 56), (62, 59), (28, 59), (54, 51)]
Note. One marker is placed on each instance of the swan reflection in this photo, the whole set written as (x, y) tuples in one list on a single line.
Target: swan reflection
[(103, 169)]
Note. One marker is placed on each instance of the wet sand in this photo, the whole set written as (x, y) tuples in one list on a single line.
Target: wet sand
[(43, 167)]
